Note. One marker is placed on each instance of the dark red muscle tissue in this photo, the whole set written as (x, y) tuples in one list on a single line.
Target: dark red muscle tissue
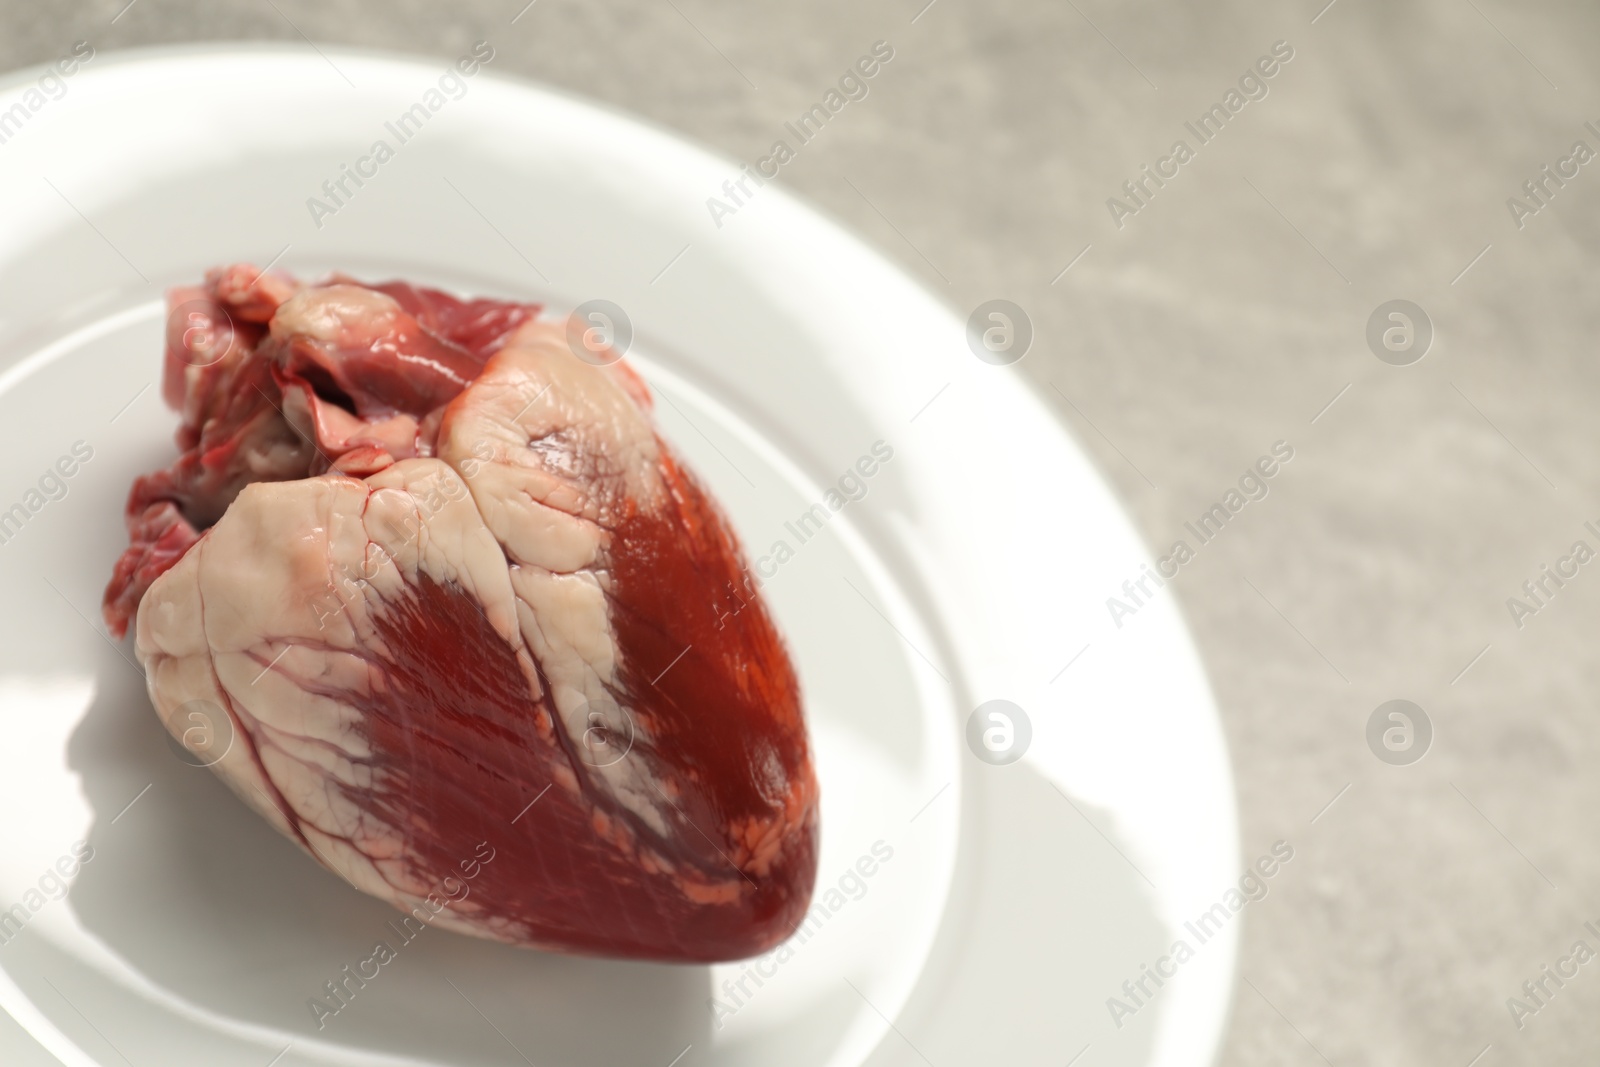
[(483, 646)]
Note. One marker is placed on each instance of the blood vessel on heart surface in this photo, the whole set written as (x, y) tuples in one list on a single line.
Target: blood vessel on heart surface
[(485, 648)]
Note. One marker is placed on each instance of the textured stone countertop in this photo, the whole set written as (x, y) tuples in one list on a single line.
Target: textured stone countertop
[(1226, 312)]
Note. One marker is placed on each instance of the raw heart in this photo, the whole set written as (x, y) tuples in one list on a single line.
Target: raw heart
[(456, 599)]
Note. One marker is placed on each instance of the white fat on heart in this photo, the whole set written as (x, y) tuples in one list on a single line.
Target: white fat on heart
[(278, 601), (335, 314), (553, 522), (280, 597)]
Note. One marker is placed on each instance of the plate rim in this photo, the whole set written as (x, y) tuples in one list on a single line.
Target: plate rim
[(109, 59)]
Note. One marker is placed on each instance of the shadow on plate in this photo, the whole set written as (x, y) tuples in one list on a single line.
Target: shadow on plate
[(219, 913), (214, 907), (1045, 922)]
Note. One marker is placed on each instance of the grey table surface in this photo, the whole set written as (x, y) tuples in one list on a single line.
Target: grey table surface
[(1226, 313)]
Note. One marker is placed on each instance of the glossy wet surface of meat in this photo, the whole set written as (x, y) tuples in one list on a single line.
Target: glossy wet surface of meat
[(457, 597)]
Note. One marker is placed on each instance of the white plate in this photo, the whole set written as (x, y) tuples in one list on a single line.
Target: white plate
[(1018, 898)]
